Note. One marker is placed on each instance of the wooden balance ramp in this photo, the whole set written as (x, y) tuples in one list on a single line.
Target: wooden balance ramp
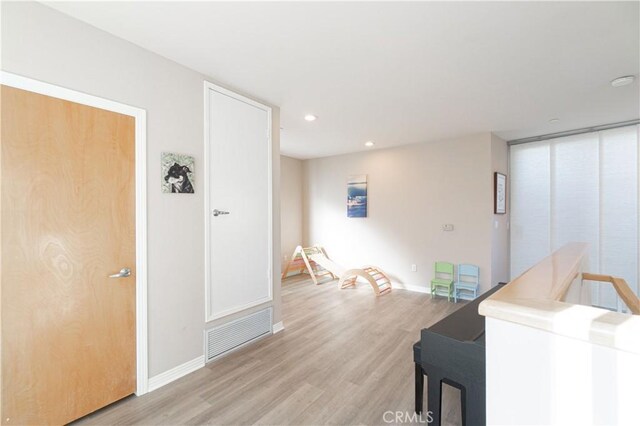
[(375, 276), (316, 262)]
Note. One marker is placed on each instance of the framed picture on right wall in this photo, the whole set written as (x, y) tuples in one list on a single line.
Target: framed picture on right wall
[(499, 193)]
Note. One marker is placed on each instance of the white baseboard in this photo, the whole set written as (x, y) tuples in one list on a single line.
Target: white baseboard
[(277, 327), (175, 373), (413, 288)]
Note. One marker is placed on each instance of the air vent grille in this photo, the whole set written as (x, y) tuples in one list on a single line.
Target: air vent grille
[(224, 338)]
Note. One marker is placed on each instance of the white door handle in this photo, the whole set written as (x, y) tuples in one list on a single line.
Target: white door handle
[(124, 272)]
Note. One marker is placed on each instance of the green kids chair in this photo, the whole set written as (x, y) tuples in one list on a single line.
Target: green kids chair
[(443, 279)]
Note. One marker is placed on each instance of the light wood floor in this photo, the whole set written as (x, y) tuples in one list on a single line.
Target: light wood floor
[(345, 357)]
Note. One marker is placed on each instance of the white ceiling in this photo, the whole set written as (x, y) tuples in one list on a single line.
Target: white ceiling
[(399, 73)]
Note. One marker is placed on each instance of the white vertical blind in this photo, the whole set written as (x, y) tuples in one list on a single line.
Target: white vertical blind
[(530, 205), (578, 188), (619, 207)]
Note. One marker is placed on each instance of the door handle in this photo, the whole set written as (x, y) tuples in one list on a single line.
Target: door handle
[(124, 272), (217, 212)]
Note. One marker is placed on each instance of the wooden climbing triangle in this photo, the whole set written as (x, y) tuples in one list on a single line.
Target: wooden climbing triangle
[(302, 261)]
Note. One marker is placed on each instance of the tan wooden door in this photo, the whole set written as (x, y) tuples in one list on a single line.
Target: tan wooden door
[(68, 221)]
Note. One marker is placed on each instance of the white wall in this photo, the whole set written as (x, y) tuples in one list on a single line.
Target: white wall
[(413, 190), (500, 222), (290, 206), (43, 44)]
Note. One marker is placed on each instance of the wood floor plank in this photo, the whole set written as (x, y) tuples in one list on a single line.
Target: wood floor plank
[(345, 357)]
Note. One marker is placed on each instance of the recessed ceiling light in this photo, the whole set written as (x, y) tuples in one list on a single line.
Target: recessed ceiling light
[(310, 117), (369, 144), (554, 120), (623, 81)]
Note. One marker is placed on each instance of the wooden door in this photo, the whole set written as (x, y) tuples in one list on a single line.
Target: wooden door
[(68, 222), (239, 187)]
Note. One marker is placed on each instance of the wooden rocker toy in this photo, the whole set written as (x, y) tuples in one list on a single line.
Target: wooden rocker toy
[(375, 276), (314, 261)]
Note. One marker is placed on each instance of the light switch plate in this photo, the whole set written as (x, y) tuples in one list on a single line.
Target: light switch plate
[(447, 227)]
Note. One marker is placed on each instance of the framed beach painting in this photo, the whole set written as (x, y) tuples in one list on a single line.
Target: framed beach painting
[(357, 196), (500, 193)]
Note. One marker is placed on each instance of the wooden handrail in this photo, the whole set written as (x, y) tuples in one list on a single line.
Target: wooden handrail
[(621, 287)]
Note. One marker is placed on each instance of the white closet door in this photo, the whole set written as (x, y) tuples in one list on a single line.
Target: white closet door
[(239, 203)]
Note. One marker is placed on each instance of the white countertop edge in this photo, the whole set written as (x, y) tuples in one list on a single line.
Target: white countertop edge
[(594, 325)]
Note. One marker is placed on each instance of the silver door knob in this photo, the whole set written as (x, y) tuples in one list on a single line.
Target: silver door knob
[(124, 272), (217, 212)]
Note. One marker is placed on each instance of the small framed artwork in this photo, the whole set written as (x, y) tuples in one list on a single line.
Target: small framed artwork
[(357, 196), (177, 173), (500, 193)]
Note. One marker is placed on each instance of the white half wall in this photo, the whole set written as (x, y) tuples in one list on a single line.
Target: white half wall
[(535, 377), (43, 44), (412, 192), (290, 206)]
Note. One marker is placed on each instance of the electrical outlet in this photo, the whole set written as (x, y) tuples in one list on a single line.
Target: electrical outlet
[(414, 268), (447, 227)]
